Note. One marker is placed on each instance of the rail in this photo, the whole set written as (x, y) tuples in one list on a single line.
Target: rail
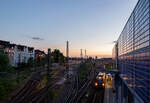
[(78, 92)]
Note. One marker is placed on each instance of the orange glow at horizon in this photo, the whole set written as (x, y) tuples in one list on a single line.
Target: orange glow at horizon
[(99, 50), (93, 54), (76, 53)]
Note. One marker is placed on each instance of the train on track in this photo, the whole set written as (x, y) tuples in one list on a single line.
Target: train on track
[(98, 83)]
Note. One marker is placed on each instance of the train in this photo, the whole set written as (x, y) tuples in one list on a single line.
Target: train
[(98, 83)]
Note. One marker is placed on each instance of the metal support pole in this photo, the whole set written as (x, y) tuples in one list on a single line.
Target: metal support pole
[(67, 59), (48, 75), (48, 67)]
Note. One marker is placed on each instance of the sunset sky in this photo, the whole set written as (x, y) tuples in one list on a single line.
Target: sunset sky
[(88, 24)]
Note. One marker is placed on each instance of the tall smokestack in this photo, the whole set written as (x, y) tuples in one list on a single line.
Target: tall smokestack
[(81, 54)]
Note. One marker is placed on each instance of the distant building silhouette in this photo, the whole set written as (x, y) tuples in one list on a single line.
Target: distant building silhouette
[(39, 53)]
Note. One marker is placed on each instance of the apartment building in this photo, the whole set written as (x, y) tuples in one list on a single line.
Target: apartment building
[(16, 53)]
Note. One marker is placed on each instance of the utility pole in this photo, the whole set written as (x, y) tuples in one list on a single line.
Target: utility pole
[(48, 75), (67, 59), (48, 65), (67, 50)]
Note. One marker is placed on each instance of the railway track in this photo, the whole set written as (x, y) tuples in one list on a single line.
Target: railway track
[(30, 86), (80, 89), (98, 96), (74, 91), (29, 93)]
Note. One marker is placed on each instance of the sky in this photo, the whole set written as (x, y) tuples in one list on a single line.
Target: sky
[(87, 24)]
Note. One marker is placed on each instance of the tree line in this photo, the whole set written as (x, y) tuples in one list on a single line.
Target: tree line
[(56, 57)]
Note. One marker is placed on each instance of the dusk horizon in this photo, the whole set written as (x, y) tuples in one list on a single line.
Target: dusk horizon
[(90, 25), (74, 51)]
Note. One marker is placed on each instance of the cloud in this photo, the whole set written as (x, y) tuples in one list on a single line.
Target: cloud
[(37, 38)]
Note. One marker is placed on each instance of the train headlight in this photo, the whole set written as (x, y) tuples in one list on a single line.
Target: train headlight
[(100, 78), (103, 84), (96, 84)]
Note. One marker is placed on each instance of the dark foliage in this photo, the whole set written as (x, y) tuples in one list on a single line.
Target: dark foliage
[(57, 56), (4, 62)]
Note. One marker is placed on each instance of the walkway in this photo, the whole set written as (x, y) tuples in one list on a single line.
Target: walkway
[(109, 96)]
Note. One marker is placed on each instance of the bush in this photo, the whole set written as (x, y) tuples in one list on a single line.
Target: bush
[(84, 69), (30, 62), (57, 56), (4, 62), (2, 90)]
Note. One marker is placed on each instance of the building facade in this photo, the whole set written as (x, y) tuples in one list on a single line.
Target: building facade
[(4, 46), (22, 54), (39, 54), (134, 56), (16, 53)]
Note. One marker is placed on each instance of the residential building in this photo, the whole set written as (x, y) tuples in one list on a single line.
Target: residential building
[(16, 53), (22, 54), (39, 53), (134, 56), (11, 54), (4, 46)]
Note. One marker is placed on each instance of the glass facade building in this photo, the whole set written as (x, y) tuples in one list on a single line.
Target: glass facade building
[(134, 51)]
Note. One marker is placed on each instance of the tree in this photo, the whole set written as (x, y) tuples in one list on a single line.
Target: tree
[(57, 56), (22, 65), (4, 62), (30, 62), (84, 69), (42, 61)]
